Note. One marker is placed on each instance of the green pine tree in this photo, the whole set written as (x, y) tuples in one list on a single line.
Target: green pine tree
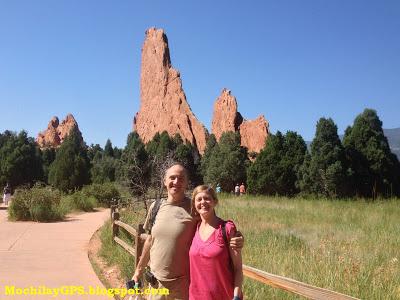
[(20, 159), (108, 149), (70, 169), (228, 162), (325, 172), (274, 171), (376, 168)]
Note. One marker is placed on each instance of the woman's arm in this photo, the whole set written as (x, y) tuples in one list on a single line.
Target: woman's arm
[(236, 256)]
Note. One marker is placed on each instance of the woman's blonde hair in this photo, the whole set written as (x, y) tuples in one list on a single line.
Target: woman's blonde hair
[(200, 189)]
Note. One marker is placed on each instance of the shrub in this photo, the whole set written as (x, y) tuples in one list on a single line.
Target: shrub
[(41, 204), (103, 193), (80, 201)]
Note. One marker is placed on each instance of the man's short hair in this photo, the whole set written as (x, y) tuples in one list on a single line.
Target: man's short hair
[(170, 164)]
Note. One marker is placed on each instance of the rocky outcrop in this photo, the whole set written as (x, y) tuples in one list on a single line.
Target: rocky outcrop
[(163, 104), (55, 133), (253, 133), (225, 117)]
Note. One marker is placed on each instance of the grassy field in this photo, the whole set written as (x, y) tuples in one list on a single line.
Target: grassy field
[(352, 247)]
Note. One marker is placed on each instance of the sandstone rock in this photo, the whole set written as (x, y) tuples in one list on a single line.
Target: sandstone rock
[(163, 104), (225, 116), (55, 133), (253, 133)]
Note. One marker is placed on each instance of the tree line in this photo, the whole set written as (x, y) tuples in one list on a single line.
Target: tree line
[(360, 165)]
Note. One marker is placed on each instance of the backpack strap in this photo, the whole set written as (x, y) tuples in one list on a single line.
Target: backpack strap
[(225, 236), (154, 212)]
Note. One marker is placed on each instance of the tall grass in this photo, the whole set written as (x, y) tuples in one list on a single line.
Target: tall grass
[(352, 247)]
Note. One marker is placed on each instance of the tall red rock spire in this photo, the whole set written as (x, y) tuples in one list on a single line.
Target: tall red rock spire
[(163, 104)]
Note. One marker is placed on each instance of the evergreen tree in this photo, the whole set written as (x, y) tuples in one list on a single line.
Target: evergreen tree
[(20, 159), (376, 169), (93, 150), (205, 160), (108, 149), (117, 152), (188, 155), (228, 162), (163, 148), (103, 169), (275, 169), (48, 156), (327, 170), (70, 169)]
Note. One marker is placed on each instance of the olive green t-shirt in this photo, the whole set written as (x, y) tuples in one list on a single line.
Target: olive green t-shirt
[(172, 235)]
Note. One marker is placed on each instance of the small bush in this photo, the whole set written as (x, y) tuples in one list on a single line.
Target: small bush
[(80, 201), (41, 204), (103, 193)]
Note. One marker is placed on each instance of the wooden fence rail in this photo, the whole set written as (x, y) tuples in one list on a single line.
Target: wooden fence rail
[(276, 281)]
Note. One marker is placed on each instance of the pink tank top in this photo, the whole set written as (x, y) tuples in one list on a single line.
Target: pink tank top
[(211, 277)]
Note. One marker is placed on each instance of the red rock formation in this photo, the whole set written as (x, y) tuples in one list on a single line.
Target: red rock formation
[(55, 133), (226, 116), (163, 104), (253, 133)]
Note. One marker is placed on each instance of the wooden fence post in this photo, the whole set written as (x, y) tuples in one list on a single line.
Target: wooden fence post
[(138, 243), (112, 211), (115, 227)]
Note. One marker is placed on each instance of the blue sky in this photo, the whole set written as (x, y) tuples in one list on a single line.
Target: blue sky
[(293, 61)]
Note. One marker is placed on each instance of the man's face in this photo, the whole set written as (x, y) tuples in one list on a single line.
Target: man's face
[(176, 180)]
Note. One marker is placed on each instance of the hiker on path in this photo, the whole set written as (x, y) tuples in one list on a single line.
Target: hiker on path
[(170, 227), (7, 194), (215, 268)]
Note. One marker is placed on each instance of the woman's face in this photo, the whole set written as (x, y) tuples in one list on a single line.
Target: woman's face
[(204, 203)]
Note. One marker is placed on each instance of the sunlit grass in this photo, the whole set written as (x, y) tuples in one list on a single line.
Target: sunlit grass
[(352, 247)]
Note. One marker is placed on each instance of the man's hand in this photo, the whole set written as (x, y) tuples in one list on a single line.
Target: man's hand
[(237, 242), (136, 276)]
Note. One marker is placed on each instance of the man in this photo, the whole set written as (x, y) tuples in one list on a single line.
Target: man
[(237, 189), (169, 240)]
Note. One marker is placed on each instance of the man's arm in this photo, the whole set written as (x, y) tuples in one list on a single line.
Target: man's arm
[(237, 242), (144, 259)]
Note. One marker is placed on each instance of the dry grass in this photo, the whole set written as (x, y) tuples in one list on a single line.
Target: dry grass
[(348, 246)]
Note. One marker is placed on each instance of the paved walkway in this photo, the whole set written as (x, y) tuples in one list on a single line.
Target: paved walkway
[(48, 255)]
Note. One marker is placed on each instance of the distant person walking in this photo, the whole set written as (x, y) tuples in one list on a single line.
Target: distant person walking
[(237, 189), (242, 189), (218, 188), (7, 194)]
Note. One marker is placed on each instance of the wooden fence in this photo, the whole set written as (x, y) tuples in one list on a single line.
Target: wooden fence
[(276, 281)]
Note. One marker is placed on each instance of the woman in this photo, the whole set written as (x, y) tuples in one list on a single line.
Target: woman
[(215, 268), (6, 194)]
